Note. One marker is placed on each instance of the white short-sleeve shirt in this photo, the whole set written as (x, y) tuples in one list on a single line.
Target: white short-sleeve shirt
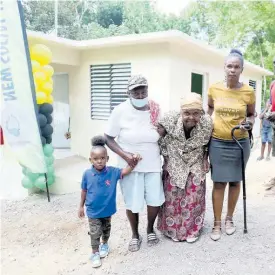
[(135, 134)]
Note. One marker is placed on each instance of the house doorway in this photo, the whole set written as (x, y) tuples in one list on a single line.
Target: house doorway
[(197, 83), (61, 111)]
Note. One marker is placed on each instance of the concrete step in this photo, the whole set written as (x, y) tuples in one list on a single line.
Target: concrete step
[(68, 171)]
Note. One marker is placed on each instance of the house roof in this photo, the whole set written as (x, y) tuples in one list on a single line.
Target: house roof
[(172, 36)]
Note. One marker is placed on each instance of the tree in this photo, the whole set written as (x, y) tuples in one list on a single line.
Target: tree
[(110, 13), (93, 19), (216, 22), (201, 25), (39, 16)]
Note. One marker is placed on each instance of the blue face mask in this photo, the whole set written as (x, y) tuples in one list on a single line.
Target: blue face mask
[(139, 103)]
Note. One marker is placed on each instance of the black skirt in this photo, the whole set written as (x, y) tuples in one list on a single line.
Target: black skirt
[(226, 161)]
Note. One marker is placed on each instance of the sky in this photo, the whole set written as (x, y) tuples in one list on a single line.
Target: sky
[(172, 6)]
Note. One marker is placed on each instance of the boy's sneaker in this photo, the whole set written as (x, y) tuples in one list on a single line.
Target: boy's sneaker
[(95, 259), (104, 250)]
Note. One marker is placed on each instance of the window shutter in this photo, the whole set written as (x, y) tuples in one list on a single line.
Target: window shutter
[(100, 88), (253, 84), (120, 73), (108, 88)]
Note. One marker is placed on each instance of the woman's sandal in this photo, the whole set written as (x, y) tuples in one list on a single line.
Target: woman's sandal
[(135, 244), (216, 231), (152, 239), (230, 228)]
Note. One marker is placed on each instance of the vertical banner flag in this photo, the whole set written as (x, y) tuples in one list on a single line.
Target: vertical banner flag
[(18, 103)]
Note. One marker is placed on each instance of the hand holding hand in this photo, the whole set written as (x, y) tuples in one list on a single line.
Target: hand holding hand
[(129, 158), (137, 157)]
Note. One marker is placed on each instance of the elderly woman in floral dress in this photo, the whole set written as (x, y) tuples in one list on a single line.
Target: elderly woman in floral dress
[(185, 135)]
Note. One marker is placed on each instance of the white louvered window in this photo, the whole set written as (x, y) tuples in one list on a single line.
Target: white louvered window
[(253, 84), (108, 88)]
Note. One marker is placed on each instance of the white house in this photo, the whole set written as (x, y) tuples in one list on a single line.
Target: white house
[(90, 79), (173, 62)]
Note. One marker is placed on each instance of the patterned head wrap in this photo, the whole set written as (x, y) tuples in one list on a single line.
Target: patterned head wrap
[(191, 101)]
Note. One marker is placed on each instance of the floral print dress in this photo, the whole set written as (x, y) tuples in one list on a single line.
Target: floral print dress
[(182, 214)]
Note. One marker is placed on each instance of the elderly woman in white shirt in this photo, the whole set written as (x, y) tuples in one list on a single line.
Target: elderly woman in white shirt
[(133, 125)]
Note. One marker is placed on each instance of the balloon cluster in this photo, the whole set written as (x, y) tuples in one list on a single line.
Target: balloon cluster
[(31, 180), (45, 119), (41, 56)]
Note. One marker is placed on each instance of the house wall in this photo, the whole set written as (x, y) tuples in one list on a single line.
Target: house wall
[(168, 69), (60, 55), (151, 61), (183, 63)]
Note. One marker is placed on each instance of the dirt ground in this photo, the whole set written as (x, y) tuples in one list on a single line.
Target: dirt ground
[(47, 238)]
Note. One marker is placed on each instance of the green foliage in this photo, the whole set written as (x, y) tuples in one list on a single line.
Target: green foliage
[(248, 25), (96, 19), (109, 13), (39, 16)]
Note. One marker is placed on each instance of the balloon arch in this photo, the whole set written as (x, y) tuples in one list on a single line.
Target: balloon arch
[(41, 57)]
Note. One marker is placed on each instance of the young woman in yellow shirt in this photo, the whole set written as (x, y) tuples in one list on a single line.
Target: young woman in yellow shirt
[(232, 103)]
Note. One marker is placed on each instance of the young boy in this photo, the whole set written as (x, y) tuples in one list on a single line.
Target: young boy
[(266, 132), (99, 196)]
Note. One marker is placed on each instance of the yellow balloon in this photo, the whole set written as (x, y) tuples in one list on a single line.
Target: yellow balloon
[(39, 78), (50, 80), (35, 66), (41, 54), (37, 87), (41, 98), (49, 99), (47, 88), (48, 70)]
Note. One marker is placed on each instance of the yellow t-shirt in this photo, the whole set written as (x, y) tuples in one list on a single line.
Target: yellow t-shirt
[(230, 108)]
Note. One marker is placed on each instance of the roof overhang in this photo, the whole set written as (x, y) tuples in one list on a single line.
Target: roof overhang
[(172, 37)]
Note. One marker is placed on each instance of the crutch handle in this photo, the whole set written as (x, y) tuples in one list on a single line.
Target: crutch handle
[(246, 127)]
